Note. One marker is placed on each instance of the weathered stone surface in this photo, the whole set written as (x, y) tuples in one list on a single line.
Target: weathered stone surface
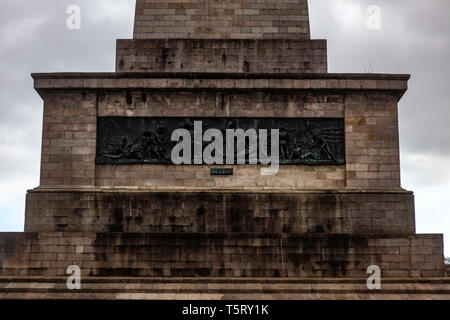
[(225, 211), (221, 55), (220, 254), (279, 19), (70, 125), (325, 82), (223, 289)]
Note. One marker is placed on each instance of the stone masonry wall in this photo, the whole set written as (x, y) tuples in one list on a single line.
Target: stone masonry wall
[(220, 104), (69, 132), (220, 255), (181, 55), (372, 141), (68, 139), (232, 212), (199, 177), (231, 58), (228, 19), (216, 102)]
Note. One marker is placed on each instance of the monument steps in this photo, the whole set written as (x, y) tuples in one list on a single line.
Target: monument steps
[(222, 288)]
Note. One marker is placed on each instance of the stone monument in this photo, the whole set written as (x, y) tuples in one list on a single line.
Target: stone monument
[(112, 202)]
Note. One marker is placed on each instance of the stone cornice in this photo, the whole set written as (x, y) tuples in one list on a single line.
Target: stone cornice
[(212, 75), (196, 190), (223, 81)]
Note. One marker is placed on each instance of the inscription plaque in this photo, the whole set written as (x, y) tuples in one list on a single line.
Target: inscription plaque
[(147, 140), (221, 172)]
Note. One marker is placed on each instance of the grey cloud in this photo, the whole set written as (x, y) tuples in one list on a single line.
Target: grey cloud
[(35, 39), (414, 39)]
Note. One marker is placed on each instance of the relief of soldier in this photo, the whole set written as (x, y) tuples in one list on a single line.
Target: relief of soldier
[(304, 141), (152, 145)]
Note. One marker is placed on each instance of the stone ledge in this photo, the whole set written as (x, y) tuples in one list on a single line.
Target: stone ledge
[(91, 189), (222, 55), (222, 81), (212, 75), (247, 236), (216, 43), (282, 212), (196, 210), (128, 280), (225, 288)]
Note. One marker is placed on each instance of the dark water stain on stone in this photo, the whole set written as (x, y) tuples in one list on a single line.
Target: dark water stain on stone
[(118, 216), (119, 272), (129, 98), (287, 228), (338, 246), (201, 211), (101, 256), (234, 218), (164, 55), (203, 272), (222, 270), (128, 220), (246, 67), (329, 226), (319, 229), (158, 272), (138, 220), (274, 213)]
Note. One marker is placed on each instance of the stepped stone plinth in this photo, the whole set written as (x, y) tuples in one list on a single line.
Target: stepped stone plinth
[(111, 201)]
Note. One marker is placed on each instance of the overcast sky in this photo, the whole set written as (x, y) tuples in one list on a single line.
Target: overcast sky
[(413, 38)]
